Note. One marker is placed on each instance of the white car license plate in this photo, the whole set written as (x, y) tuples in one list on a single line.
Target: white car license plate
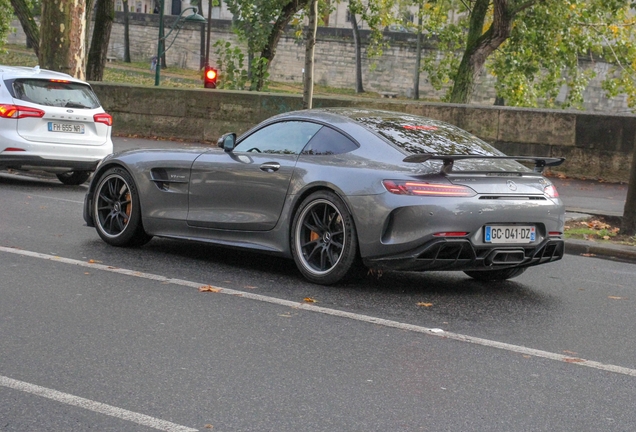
[(66, 127), (510, 234)]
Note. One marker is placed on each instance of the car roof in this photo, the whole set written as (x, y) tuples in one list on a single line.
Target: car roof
[(12, 72), (409, 133)]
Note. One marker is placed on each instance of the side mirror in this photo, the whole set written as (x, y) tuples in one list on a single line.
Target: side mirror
[(227, 141)]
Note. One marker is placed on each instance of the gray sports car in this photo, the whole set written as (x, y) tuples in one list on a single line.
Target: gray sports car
[(339, 188)]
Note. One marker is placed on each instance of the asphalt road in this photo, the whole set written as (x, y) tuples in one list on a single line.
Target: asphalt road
[(100, 338)]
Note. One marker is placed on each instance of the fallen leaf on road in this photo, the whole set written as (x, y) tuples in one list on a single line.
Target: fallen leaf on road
[(425, 304), (209, 288), (570, 352), (616, 298), (208, 426), (250, 287), (573, 360), (309, 300)]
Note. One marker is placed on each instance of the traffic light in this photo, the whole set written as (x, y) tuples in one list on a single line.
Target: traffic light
[(209, 77)]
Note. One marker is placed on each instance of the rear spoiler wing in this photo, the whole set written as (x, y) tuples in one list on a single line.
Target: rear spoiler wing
[(539, 162)]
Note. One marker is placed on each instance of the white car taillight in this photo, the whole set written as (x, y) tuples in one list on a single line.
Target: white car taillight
[(18, 111), (104, 118)]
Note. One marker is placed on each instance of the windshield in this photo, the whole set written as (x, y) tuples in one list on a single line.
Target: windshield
[(55, 93)]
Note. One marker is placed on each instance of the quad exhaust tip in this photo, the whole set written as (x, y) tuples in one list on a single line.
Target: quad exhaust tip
[(506, 256)]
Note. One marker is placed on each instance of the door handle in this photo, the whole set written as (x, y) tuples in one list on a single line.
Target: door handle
[(270, 166)]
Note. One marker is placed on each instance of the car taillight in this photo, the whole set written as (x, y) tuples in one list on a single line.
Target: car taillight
[(551, 191), (399, 187), (18, 111), (107, 119)]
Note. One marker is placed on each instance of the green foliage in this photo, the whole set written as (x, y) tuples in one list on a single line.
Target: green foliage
[(542, 56), (449, 34), (230, 61), (259, 70), (377, 14), (544, 50), (6, 15)]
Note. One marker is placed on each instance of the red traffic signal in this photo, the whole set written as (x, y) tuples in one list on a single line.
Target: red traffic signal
[(209, 77)]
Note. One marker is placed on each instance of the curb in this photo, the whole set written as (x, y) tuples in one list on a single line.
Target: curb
[(611, 252)]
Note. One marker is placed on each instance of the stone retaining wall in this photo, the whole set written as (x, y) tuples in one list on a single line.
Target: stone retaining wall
[(596, 146)]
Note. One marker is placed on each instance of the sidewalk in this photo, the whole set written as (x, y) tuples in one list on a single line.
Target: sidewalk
[(584, 198)]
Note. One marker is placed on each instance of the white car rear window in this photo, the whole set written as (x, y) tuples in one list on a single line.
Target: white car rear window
[(55, 93)]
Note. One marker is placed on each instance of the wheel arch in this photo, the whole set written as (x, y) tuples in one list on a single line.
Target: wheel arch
[(317, 188), (101, 169)]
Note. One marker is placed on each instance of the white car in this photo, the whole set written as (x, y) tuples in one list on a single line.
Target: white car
[(50, 121)]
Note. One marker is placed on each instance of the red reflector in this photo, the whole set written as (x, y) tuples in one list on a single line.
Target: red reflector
[(18, 111), (13, 149), (555, 233), (427, 189), (451, 234), (105, 118)]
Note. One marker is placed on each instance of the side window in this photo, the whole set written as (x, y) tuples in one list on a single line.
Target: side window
[(288, 137), (329, 142)]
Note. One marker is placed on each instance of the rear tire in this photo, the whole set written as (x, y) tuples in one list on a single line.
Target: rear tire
[(116, 210), (324, 242), (73, 178), (496, 275)]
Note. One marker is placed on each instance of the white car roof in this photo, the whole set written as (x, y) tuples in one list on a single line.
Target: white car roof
[(10, 72)]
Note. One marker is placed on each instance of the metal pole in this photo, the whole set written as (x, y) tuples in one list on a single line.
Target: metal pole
[(207, 41), (159, 43)]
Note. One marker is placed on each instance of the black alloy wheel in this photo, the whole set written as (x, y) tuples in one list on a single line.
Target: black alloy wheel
[(324, 241), (116, 210)]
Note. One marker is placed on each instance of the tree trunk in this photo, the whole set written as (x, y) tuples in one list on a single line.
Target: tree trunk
[(628, 224), (479, 46), (268, 53), (126, 32), (418, 55), (104, 17), (28, 23), (89, 26), (63, 26), (312, 27), (358, 49)]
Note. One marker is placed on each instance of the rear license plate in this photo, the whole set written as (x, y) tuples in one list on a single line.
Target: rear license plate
[(66, 127), (510, 234)]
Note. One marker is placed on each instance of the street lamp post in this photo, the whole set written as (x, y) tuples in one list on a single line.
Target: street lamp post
[(161, 40)]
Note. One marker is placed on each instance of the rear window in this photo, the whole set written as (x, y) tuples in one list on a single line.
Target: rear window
[(416, 135), (54, 93)]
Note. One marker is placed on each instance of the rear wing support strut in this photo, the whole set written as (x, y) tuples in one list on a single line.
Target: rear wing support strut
[(539, 162)]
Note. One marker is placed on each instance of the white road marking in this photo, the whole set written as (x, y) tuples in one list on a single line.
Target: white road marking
[(354, 316), (90, 405)]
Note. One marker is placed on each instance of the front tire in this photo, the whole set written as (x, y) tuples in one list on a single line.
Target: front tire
[(73, 178), (324, 242), (496, 275), (116, 210)]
